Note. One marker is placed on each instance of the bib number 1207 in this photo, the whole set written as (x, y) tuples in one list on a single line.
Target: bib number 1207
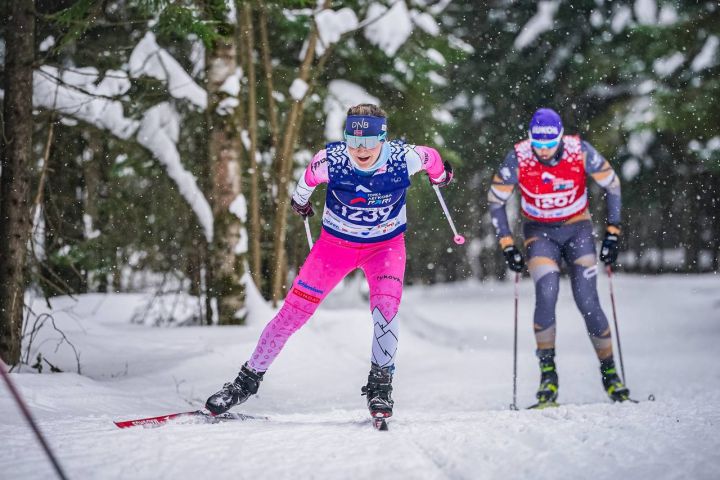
[(559, 201)]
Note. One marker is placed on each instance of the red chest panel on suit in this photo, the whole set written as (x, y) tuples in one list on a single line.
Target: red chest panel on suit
[(552, 194)]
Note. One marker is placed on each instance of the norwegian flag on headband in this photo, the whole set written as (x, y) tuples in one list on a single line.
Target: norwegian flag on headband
[(365, 125)]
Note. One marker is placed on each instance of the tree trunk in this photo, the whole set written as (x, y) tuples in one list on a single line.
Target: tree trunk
[(267, 66), (15, 219), (226, 264), (285, 159), (93, 174), (248, 35)]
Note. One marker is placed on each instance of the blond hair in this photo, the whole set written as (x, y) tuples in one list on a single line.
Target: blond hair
[(367, 109)]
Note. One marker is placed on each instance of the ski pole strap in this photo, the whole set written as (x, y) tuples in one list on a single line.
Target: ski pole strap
[(445, 209), (307, 232)]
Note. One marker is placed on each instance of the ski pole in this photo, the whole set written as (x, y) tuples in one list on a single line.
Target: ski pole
[(617, 332), (458, 239), (28, 416), (307, 232), (513, 405)]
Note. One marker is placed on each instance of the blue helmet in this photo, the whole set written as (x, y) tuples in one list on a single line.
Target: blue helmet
[(545, 126)]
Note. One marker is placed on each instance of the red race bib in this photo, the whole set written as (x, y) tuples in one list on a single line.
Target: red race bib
[(552, 194)]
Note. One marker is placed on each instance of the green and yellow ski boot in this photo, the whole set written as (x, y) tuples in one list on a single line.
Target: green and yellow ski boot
[(615, 388), (548, 390)]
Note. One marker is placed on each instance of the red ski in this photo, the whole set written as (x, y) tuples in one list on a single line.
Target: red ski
[(196, 416)]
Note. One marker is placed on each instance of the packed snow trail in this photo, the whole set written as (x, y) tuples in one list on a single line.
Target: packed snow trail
[(452, 389)]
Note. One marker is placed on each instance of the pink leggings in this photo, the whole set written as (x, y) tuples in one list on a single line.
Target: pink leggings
[(329, 261)]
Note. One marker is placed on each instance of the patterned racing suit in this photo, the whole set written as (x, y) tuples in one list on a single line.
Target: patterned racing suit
[(557, 226), (363, 224)]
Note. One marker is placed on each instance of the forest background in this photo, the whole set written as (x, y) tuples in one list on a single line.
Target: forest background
[(152, 144)]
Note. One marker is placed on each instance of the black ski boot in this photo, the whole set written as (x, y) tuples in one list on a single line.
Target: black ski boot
[(236, 392), (548, 390), (378, 390), (615, 388)]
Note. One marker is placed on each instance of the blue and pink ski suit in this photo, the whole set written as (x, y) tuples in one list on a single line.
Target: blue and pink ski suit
[(363, 224)]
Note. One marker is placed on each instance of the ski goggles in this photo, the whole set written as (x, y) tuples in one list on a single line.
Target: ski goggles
[(368, 142), (545, 143)]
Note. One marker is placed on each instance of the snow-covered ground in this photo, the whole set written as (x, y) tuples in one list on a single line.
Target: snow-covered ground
[(452, 389)]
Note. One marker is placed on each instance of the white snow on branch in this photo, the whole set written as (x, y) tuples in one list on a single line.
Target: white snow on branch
[(459, 44), (668, 15), (341, 96), (148, 58), (443, 116), (640, 112), (391, 30), (705, 151), (667, 65), (639, 143), (645, 11), (238, 207), (159, 132), (47, 44), (439, 7), (541, 22), (231, 85), (621, 19), (426, 22), (298, 89), (630, 169), (89, 230), (436, 78), (706, 57), (226, 106), (241, 246), (435, 56), (332, 25), (74, 94), (231, 12)]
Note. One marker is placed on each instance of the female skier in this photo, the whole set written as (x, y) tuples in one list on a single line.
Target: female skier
[(550, 169), (363, 224)]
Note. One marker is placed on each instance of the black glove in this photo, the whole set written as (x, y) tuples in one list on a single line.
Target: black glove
[(609, 248), (448, 176), (304, 211), (514, 258)]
